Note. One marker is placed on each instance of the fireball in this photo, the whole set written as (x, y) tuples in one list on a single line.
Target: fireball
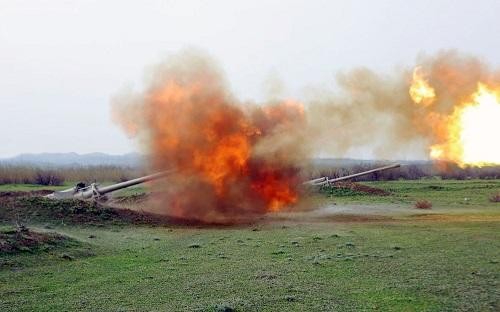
[(469, 135), (232, 160), (479, 128)]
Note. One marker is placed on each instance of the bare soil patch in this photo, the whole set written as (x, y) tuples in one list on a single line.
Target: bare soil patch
[(357, 187), (423, 204)]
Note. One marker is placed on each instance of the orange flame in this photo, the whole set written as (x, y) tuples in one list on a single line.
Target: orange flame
[(224, 170)]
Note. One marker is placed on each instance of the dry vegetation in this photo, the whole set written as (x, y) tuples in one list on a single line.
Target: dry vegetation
[(407, 172), (13, 174), (495, 198), (423, 204), (57, 176)]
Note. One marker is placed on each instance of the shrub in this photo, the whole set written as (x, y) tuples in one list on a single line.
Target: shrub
[(44, 177), (495, 198), (423, 204)]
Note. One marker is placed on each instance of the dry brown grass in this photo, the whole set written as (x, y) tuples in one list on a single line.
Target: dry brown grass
[(405, 172), (423, 204), (57, 176)]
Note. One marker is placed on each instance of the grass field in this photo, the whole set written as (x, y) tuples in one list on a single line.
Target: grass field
[(443, 259)]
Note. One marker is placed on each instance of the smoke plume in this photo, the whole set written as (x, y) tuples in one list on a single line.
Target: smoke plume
[(234, 160), (375, 112), (231, 160)]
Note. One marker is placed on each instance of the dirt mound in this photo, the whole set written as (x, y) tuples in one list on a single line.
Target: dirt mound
[(40, 209), (27, 208), (131, 199), (356, 187), (137, 202), (13, 240)]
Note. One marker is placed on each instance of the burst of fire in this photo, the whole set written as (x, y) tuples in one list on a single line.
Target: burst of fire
[(228, 157), (467, 135), (234, 159)]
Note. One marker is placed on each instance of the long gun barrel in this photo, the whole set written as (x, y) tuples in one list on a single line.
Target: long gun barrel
[(118, 186), (94, 191), (326, 180)]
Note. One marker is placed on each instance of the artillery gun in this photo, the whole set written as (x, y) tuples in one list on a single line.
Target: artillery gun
[(326, 180), (96, 192)]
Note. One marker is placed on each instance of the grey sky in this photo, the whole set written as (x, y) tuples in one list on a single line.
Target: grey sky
[(62, 61)]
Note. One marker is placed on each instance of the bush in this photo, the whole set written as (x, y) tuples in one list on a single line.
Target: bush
[(44, 177), (495, 198), (423, 204)]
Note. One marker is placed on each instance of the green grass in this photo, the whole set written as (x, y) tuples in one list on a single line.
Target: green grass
[(399, 265), (450, 196), (15, 240), (412, 267)]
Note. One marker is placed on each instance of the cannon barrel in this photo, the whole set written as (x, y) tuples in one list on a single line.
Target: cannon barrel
[(94, 191), (326, 180), (118, 186)]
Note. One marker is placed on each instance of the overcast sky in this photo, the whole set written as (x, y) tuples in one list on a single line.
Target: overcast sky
[(62, 61)]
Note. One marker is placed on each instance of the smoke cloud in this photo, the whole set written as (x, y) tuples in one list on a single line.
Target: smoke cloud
[(231, 160), (375, 112), (235, 160)]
